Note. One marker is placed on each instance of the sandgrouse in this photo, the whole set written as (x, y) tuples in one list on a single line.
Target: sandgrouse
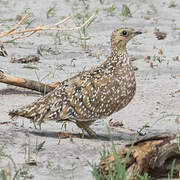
[(92, 94)]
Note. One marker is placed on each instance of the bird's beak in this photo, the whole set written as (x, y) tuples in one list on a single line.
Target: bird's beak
[(137, 32)]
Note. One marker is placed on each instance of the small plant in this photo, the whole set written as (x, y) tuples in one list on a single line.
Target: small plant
[(80, 18), (104, 153), (110, 11), (60, 67), (4, 2), (118, 171), (160, 59), (57, 39), (95, 172), (101, 1), (178, 140), (51, 12), (170, 174), (145, 177), (126, 11), (49, 50), (29, 22), (7, 174), (116, 167), (81, 14)]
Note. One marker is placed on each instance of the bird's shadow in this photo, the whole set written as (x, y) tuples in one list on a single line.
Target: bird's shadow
[(10, 91), (120, 136), (106, 137), (127, 138)]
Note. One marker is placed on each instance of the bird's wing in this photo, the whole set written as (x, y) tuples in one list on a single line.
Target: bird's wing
[(89, 95)]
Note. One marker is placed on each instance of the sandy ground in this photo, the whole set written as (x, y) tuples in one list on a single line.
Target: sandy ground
[(156, 103)]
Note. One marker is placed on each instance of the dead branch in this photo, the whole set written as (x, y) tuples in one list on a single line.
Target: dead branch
[(6, 33), (28, 32), (26, 83), (153, 155)]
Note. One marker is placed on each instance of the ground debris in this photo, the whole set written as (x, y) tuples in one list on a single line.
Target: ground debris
[(26, 59), (3, 52), (31, 162), (40, 146), (7, 122), (115, 124), (30, 67), (26, 175), (160, 35), (153, 155)]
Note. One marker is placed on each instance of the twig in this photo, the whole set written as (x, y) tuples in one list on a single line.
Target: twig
[(79, 27), (40, 28), (6, 33), (19, 37)]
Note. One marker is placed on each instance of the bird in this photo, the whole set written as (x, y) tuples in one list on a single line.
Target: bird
[(92, 94)]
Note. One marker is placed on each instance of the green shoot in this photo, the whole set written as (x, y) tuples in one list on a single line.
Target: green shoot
[(170, 175), (110, 11), (126, 11)]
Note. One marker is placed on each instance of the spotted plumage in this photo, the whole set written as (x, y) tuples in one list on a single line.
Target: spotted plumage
[(92, 94)]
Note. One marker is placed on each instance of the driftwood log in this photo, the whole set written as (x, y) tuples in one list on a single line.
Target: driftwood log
[(153, 155), (26, 83)]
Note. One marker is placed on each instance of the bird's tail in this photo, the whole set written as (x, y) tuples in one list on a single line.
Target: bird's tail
[(43, 108), (24, 112), (14, 113), (35, 111)]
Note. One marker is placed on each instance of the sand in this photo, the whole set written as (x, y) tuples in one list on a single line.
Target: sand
[(157, 99)]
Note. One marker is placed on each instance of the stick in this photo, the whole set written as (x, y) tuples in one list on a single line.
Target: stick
[(26, 83), (16, 27), (28, 32)]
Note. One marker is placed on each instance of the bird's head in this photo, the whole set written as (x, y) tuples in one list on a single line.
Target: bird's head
[(120, 38)]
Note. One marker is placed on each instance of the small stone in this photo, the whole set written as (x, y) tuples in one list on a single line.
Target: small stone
[(160, 35)]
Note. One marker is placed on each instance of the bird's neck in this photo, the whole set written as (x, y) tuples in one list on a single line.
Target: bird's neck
[(117, 50), (119, 57)]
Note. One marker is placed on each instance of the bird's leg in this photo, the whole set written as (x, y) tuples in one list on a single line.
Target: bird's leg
[(85, 126), (40, 126), (34, 125), (90, 132), (62, 135), (82, 132)]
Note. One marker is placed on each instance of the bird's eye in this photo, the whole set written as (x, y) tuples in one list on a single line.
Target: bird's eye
[(124, 33)]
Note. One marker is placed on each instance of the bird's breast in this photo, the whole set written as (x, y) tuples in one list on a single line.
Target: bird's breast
[(127, 86), (99, 97)]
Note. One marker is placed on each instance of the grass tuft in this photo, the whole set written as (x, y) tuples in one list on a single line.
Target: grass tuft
[(126, 11)]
